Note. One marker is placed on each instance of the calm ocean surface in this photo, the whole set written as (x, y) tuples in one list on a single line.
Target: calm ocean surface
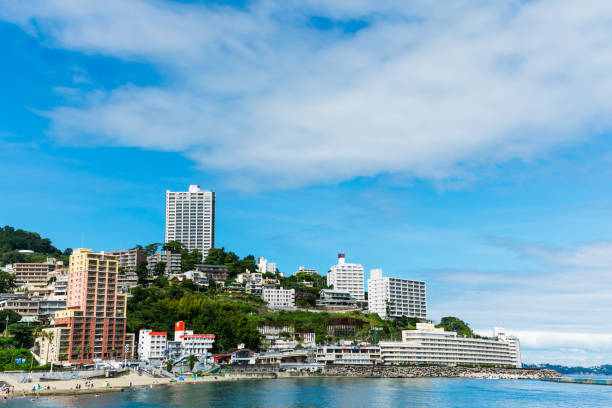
[(347, 392)]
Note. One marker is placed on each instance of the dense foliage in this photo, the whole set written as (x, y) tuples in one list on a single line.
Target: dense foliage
[(8, 360), (235, 265), (12, 240), (159, 306), (450, 323), (305, 296)]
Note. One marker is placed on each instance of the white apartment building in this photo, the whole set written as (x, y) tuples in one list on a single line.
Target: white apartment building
[(431, 345), (152, 346), (394, 297), (173, 261), (347, 277), (264, 266), (190, 218), (279, 297)]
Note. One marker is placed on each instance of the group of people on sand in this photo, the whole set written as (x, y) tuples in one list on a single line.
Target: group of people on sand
[(88, 385), (7, 392)]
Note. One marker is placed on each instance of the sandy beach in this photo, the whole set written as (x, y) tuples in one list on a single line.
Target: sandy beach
[(69, 387)]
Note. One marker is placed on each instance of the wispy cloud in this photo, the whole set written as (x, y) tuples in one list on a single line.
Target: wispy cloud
[(264, 96), (594, 254)]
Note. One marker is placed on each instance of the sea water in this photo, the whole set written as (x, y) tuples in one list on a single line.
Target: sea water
[(345, 392)]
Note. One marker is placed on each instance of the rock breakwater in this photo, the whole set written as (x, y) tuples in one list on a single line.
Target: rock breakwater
[(435, 371)]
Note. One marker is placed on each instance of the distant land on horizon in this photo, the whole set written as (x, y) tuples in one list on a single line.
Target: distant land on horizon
[(605, 369)]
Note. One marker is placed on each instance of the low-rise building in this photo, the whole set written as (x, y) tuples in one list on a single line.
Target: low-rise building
[(152, 346), (336, 299), (187, 343), (431, 345), (308, 271), (197, 277), (218, 273), (253, 282), (126, 281), (349, 354), (129, 260), (24, 306), (279, 298)]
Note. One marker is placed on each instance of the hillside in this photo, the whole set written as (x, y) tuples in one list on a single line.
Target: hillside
[(12, 240)]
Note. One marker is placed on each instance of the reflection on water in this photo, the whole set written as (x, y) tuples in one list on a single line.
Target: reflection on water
[(346, 392)]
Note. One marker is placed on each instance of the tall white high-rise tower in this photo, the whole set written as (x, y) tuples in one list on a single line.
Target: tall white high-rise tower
[(190, 218), (347, 277)]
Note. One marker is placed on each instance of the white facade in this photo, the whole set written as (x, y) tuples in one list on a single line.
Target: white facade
[(279, 297), (347, 277), (309, 271), (152, 345), (394, 297), (500, 334), (431, 345), (197, 344), (190, 218), (348, 354), (264, 266)]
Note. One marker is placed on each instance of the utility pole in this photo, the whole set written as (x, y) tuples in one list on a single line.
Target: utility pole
[(52, 353), (6, 326)]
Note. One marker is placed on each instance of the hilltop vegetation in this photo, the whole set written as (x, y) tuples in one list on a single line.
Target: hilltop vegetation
[(12, 240)]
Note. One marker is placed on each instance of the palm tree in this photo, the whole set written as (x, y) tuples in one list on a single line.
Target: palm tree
[(48, 336), (88, 350), (192, 361), (78, 349), (114, 353)]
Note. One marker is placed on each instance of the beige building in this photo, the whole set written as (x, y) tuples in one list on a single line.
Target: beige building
[(32, 273), (129, 259)]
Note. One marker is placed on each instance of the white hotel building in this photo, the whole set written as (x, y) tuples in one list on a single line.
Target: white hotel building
[(151, 346), (279, 298), (394, 297), (190, 218), (347, 277), (430, 345)]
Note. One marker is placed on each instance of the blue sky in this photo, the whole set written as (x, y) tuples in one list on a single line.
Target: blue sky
[(466, 145)]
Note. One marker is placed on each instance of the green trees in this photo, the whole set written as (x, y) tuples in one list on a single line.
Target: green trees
[(12, 240), (451, 323), (7, 282), (188, 259), (159, 269), (158, 308), (22, 334), (192, 360), (143, 273), (235, 265)]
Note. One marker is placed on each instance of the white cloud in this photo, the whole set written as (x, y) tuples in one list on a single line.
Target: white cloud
[(268, 100), (594, 254)]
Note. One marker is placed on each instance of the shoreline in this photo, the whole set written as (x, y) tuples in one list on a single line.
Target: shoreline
[(134, 381)]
